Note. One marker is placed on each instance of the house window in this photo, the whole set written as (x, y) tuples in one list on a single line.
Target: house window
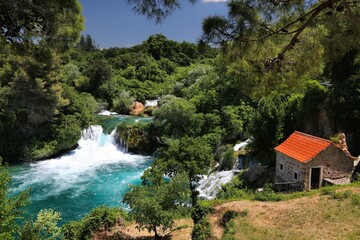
[(295, 175), (281, 166)]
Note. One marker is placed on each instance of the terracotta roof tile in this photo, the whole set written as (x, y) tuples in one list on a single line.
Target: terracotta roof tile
[(303, 147)]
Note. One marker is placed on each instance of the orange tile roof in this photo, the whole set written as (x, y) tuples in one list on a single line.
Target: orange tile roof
[(303, 147)]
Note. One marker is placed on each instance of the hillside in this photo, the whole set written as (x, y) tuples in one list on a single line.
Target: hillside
[(331, 215)]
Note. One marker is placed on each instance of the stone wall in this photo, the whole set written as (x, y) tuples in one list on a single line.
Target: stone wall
[(334, 164), (290, 166)]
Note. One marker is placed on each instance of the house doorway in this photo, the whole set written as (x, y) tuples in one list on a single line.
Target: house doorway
[(315, 177)]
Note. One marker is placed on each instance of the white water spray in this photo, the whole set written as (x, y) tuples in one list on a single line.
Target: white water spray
[(210, 185), (74, 170)]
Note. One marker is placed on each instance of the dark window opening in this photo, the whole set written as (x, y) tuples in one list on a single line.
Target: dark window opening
[(295, 175), (281, 166)]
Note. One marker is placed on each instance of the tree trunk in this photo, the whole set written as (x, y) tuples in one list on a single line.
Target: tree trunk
[(194, 194), (156, 234)]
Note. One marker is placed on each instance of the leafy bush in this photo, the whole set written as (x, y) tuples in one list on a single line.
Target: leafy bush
[(341, 195), (228, 216), (200, 211), (45, 227), (100, 217), (229, 231), (201, 230), (227, 159), (267, 195), (326, 191), (123, 102), (233, 189), (355, 200)]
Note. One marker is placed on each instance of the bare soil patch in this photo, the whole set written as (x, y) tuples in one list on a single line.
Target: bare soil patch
[(182, 231)]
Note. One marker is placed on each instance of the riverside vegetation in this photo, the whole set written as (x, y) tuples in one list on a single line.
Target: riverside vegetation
[(272, 68)]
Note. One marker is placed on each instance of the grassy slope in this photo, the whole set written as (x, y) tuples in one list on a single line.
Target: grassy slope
[(327, 213), (321, 216)]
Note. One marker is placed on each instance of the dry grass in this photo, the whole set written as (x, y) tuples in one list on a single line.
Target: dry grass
[(317, 217), (182, 231), (311, 217)]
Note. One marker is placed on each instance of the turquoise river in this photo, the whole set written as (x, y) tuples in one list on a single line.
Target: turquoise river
[(96, 173)]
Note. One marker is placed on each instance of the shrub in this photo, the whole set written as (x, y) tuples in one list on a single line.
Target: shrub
[(267, 195), (200, 211), (229, 231), (148, 111), (201, 230), (228, 216), (341, 195), (355, 200), (232, 189), (326, 191), (100, 217), (227, 160)]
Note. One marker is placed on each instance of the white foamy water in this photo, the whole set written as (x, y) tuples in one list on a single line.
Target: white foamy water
[(73, 171), (241, 145), (210, 185)]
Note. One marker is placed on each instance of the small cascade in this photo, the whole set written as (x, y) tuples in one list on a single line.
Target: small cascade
[(210, 185), (241, 145), (122, 143), (92, 133)]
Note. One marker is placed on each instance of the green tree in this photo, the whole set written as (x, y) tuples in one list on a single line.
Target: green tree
[(87, 43), (57, 23), (251, 21), (45, 227), (177, 117), (155, 9), (97, 71), (190, 155), (123, 102), (10, 207), (266, 127), (344, 98), (227, 159), (101, 217), (154, 207)]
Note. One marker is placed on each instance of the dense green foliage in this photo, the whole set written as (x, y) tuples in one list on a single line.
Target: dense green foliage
[(202, 228), (10, 207), (101, 217), (280, 66), (44, 227), (155, 206)]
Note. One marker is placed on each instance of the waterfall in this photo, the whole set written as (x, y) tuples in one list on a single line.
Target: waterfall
[(92, 133), (97, 172), (123, 143), (96, 150), (210, 185)]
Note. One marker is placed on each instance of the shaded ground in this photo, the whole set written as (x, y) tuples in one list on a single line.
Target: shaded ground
[(182, 231)]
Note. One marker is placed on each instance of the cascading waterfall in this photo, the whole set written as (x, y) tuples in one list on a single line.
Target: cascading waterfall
[(92, 133), (210, 185), (97, 172)]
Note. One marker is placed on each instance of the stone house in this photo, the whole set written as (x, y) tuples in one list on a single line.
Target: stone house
[(313, 161)]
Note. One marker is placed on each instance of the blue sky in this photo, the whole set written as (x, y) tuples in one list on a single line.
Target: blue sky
[(112, 23)]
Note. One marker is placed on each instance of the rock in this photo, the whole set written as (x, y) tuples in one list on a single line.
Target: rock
[(255, 172), (137, 109)]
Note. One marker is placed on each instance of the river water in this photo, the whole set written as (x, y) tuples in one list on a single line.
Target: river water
[(96, 173)]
